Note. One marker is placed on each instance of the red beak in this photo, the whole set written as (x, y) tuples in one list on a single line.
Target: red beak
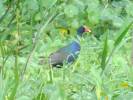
[(87, 29)]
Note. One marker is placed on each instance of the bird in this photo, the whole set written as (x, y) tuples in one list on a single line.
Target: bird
[(70, 52)]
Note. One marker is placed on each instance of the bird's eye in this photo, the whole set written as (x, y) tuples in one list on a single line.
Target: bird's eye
[(84, 29)]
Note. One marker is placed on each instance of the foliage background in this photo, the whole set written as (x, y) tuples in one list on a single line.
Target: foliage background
[(103, 70)]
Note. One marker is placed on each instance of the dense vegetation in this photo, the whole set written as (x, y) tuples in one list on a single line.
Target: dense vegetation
[(30, 29)]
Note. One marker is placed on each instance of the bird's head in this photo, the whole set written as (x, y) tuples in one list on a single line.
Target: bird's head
[(82, 29)]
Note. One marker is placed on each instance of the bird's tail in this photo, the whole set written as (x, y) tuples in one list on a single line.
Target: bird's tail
[(43, 60)]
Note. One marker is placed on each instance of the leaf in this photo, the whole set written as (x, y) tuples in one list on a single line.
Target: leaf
[(2, 9), (93, 14), (48, 3), (32, 5), (71, 10), (104, 53), (38, 17), (122, 34), (125, 96), (129, 8)]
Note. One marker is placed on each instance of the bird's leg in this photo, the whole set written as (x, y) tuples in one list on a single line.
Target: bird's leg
[(50, 72)]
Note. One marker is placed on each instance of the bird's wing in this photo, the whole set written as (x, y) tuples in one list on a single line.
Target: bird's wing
[(57, 58)]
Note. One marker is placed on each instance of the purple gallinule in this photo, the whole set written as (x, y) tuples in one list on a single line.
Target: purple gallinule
[(68, 53)]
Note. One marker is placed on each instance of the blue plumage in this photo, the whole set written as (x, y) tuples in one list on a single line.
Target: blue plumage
[(72, 50), (68, 53)]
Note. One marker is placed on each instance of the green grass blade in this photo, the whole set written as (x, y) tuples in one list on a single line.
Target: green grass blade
[(118, 40), (122, 34), (104, 53), (16, 81)]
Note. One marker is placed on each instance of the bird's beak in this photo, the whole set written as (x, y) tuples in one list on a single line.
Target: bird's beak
[(87, 29)]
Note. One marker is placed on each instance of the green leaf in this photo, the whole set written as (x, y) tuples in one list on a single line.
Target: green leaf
[(93, 14), (129, 9), (48, 3), (32, 5), (2, 9), (71, 10), (122, 34), (38, 17)]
